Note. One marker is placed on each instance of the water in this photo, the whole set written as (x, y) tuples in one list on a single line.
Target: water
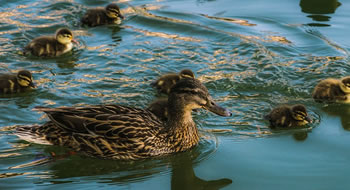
[(252, 55)]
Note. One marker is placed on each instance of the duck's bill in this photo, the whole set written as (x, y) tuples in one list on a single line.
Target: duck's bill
[(213, 107)]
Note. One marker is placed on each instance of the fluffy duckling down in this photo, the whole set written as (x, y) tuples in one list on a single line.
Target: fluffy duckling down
[(51, 46), (13, 83)]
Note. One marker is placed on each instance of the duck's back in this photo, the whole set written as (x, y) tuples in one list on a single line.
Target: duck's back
[(108, 131)]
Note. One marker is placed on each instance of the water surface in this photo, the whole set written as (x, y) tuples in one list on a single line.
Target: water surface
[(252, 56)]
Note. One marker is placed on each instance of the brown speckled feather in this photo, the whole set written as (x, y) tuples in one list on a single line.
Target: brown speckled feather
[(121, 132)]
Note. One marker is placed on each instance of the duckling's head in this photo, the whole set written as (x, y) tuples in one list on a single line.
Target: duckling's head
[(189, 94), (25, 79), (64, 36), (186, 73), (113, 11), (299, 113), (345, 84)]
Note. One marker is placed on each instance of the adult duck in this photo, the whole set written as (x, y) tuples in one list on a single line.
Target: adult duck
[(122, 132)]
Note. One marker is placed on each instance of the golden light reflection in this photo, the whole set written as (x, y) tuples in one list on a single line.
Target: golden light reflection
[(66, 85), (139, 59), (221, 75), (33, 163), (236, 21), (9, 155), (92, 48), (6, 17), (49, 102), (7, 175), (164, 35), (279, 39)]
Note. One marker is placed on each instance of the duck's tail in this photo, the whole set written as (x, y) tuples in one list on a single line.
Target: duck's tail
[(31, 133)]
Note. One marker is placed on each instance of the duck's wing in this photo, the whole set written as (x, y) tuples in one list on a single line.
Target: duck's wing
[(109, 121)]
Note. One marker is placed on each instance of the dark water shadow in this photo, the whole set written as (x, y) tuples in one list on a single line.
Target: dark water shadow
[(124, 172), (340, 110), (63, 166), (183, 176), (317, 10)]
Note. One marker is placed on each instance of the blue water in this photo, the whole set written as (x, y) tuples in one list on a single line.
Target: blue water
[(252, 56)]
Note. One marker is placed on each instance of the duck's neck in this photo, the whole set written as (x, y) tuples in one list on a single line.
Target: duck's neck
[(182, 129)]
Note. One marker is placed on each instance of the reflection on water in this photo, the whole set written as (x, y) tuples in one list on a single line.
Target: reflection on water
[(317, 9), (64, 166), (340, 110), (184, 177)]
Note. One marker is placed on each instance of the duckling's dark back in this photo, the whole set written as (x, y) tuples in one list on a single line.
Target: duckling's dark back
[(159, 108), (94, 17), (9, 82), (328, 90), (280, 117)]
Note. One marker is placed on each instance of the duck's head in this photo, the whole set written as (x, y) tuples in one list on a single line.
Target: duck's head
[(113, 11), (189, 94), (25, 79), (65, 36), (345, 84), (299, 113), (186, 73)]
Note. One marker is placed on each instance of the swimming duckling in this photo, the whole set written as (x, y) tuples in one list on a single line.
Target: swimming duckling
[(159, 107), (288, 116), (165, 82), (51, 46), (12, 83), (333, 90), (102, 16), (121, 132)]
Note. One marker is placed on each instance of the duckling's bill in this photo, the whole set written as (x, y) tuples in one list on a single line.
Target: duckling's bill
[(215, 108), (75, 41), (308, 119), (32, 84)]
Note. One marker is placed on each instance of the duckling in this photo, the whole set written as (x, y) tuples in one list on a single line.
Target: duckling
[(288, 116), (12, 83), (159, 107), (165, 82), (126, 133), (333, 90), (102, 16), (51, 46)]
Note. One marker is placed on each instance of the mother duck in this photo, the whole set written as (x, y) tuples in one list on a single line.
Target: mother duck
[(125, 133)]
